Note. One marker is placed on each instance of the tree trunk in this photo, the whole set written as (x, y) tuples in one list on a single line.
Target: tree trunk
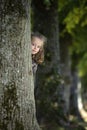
[(46, 21), (76, 105), (17, 106), (66, 72), (47, 24)]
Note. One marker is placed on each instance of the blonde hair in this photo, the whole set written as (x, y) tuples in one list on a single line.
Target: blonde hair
[(39, 57)]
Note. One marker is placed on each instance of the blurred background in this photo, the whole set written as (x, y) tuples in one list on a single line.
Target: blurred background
[(61, 81)]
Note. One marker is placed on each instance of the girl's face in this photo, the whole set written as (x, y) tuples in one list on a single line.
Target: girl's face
[(37, 43)]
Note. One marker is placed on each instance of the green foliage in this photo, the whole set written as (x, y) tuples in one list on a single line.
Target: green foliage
[(75, 24), (80, 48), (76, 14), (73, 21), (84, 83), (47, 4), (73, 18), (48, 98), (83, 65), (62, 4), (79, 39)]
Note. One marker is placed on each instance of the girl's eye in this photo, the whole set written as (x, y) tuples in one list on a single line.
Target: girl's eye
[(38, 46), (33, 44)]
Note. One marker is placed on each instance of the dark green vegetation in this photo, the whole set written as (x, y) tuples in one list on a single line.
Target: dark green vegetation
[(65, 25)]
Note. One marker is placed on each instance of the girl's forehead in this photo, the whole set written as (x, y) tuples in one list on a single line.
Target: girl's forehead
[(37, 40)]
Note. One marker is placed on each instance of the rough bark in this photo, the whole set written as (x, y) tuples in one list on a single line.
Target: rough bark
[(17, 106)]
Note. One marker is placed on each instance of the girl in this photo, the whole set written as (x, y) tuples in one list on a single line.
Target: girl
[(37, 42)]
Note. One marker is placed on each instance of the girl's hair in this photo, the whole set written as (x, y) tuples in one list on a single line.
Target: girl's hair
[(39, 57)]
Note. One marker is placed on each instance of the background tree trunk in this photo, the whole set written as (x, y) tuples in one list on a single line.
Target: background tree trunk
[(46, 21), (76, 105), (17, 106), (66, 71)]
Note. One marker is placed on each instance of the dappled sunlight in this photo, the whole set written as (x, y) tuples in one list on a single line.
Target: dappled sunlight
[(83, 114), (81, 109)]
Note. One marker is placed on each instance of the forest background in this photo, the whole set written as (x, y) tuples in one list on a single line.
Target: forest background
[(59, 99), (61, 82)]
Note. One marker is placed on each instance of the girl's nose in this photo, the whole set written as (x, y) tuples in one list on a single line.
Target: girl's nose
[(35, 47)]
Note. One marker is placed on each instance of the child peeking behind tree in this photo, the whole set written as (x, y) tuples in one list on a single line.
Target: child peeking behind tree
[(37, 44)]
